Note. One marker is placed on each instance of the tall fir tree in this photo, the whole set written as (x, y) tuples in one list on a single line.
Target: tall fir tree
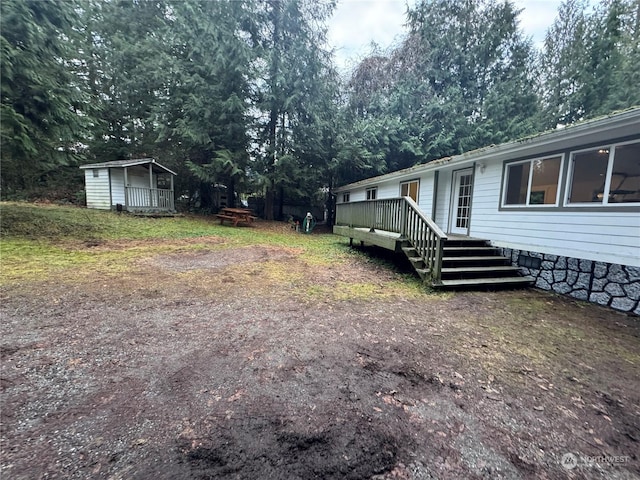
[(45, 112)]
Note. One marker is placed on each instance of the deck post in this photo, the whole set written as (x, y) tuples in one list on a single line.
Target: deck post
[(403, 219), (438, 260), (171, 199)]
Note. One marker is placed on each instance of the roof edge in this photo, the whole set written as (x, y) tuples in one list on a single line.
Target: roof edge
[(578, 129), (126, 163)]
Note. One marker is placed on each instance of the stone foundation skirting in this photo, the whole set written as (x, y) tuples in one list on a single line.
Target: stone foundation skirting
[(607, 284)]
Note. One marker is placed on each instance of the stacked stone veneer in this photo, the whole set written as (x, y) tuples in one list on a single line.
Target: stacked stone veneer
[(610, 285)]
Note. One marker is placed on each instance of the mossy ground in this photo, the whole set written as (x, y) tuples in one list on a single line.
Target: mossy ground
[(51, 243)]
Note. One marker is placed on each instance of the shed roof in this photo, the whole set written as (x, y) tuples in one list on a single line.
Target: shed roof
[(627, 122), (128, 163)]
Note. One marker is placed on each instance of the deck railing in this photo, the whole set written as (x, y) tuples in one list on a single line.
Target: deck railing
[(149, 199), (399, 215)]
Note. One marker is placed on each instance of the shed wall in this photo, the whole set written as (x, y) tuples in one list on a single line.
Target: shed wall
[(117, 186), (97, 188)]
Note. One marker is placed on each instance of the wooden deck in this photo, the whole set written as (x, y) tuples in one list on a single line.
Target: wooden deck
[(440, 260), (380, 238)]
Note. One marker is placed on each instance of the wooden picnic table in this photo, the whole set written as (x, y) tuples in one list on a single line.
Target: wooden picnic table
[(236, 215)]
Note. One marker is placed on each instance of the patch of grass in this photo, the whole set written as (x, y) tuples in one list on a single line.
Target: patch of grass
[(43, 240), (47, 242)]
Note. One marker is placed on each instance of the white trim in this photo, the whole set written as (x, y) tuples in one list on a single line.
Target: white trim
[(408, 182), (527, 202), (607, 180), (454, 199)]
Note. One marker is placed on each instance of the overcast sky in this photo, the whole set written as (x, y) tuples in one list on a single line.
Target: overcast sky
[(356, 23)]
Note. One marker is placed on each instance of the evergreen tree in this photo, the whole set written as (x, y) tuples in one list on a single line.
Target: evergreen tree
[(295, 69), (44, 109), (590, 61), (122, 66), (461, 79), (204, 106)]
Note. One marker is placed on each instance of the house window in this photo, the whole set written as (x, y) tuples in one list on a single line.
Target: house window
[(372, 193), (410, 189), (605, 175), (96, 173), (625, 175), (345, 197), (533, 182)]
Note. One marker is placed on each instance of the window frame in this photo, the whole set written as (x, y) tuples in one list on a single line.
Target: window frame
[(346, 197), (96, 172), (407, 182), (528, 204), (369, 191), (607, 180)]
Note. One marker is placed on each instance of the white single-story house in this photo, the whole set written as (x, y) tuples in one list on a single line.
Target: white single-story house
[(137, 185), (561, 207)]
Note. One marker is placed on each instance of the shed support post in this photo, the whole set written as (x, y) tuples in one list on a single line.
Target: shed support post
[(171, 194), (126, 190), (150, 185)]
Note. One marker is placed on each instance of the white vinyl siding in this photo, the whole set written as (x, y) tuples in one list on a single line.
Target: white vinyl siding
[(443, 200), (117, 186), (97, 188), (612, 237), (425, 195)]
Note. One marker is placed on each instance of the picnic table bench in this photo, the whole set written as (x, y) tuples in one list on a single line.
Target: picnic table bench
[(236, 215)]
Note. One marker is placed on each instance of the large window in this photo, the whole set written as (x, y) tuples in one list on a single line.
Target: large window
[(605, 175), (372, 193), (532, 182)]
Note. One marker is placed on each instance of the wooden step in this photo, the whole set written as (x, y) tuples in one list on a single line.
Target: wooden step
[(475, 258), (423, 272), (409, 250), (466, 243), (495, 268), (469, 282), (466, 249)]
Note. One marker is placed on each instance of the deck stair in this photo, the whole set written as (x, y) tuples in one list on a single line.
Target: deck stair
[(469, 262)]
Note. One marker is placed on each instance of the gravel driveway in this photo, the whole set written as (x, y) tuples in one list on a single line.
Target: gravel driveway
[(249, 363)]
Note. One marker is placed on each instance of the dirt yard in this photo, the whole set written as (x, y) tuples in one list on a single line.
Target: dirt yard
[(250, 363)]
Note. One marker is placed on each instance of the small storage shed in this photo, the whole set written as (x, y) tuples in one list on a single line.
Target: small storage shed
[(137, 185)]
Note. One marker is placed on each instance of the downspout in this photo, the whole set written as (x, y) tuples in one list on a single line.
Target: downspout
[(110, 189)]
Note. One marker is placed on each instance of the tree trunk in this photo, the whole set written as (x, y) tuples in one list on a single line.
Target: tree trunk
[(268, 204), (280, 203), (206, 197), (231, 193)]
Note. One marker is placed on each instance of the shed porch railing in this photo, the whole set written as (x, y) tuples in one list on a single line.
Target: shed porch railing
[(144, 198), (403, 216)]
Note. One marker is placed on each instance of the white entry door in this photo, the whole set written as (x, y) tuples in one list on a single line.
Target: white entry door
[(461, 202)]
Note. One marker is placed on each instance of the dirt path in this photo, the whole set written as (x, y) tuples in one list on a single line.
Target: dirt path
[(241, 364)]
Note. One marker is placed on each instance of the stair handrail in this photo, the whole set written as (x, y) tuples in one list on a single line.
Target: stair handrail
[(425, 236), (401, 215)]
